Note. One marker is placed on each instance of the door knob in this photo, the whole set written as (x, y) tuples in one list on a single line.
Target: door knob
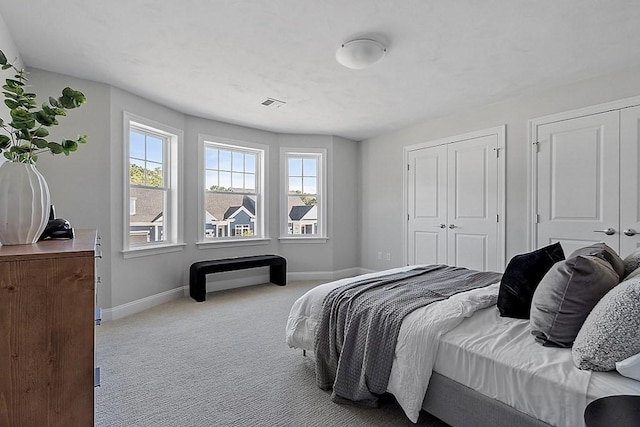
[(629, 232), (452, 226), (609, 231), (442, 226)]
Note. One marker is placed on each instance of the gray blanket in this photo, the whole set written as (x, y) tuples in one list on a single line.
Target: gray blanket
[(356, 338)]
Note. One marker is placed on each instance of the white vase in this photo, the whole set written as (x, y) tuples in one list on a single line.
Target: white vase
[(24, 203)]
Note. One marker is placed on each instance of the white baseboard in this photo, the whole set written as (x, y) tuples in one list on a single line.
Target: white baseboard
[(137, 306)]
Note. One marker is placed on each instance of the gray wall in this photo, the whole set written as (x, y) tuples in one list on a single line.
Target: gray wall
[(87, 189), (381, 160)]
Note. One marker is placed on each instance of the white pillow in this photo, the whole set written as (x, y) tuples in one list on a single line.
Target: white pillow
[(630, 367)]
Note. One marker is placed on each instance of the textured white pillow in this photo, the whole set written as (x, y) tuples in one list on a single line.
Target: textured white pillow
[(611, 332), (631, 262), (630, 367)]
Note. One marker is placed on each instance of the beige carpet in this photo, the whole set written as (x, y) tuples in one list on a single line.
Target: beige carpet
[(222, 362)]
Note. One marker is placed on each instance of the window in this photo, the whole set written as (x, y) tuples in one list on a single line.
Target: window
[(303, 193), (151, 199), (232, 202)]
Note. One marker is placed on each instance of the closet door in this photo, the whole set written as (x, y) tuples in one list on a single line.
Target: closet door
[(578, 181), (473, 203), (629, 180), (427, 205), (453, 201)]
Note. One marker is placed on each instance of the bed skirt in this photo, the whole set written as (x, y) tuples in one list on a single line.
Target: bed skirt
[(459, 405)]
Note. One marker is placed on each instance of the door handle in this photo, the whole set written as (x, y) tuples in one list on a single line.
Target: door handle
[(442, 226), (630, 232), (452, 226), (609, 231)]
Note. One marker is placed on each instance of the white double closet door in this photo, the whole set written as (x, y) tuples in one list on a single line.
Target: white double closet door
[(587, 180), (454, 201)]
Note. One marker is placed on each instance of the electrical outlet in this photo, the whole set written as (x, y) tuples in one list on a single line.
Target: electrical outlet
[(380, 255), (388, 256)]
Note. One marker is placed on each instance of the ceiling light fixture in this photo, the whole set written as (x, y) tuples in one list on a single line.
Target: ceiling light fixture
[(360, 53)]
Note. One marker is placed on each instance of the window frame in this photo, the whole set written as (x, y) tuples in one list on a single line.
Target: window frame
[(261, 231), (320, 154), (173, 178)]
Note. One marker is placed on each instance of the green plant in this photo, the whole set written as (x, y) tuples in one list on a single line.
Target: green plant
[(27, 130)]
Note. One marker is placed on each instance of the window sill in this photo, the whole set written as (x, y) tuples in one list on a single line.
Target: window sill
[(152, 250), (209, 244), (318, 239)]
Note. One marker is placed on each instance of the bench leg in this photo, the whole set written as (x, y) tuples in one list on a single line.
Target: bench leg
[(198, 287), (278, 274)]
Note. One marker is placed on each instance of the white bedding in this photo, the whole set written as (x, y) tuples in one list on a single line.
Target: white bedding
[(542, 381)]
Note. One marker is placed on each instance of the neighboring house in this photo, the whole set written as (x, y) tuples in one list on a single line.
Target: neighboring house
[(145, 215), (229, 215), (303, 219)]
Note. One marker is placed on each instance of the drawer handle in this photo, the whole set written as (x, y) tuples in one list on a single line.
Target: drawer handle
[(630, 232)]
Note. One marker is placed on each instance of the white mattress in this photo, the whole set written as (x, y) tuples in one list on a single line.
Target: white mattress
[(499, 358)]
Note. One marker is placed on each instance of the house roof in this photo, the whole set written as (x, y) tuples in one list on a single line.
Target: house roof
[(298, 212)]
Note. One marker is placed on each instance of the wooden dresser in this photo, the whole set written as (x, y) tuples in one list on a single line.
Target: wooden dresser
[(47, 320)]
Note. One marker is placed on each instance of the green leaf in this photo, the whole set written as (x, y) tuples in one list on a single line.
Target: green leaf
[(11, 103), (3, 59), (12, 82), (45, 119), (82, 139), (41, 132), (54, 102), (55, 148), (8, 155), (71, 98), (40, 143), (4, 141), (69, 145)]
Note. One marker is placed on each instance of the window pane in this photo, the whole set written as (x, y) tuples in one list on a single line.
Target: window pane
[(136, 145), (211, 155), (295, 185), (309, 186), (250, 182), (229, 215), (303, 215), (310, 167), (211, 180), (154, 149), (146, 223), (225, 180), (238, 161), (136, 172), (295, 167), (154, 174), (225, 160), (250, 163), (237, 181)]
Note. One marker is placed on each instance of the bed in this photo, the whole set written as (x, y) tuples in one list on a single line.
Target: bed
[(461, 361)]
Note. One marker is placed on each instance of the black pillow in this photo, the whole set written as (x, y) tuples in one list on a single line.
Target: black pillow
[(521, 278)]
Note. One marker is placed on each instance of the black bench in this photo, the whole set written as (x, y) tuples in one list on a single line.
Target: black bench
[(199, 270)]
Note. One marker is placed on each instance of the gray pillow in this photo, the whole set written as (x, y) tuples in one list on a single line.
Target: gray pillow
[(611, 332), (601, 250), (631, 262), (565, 296)]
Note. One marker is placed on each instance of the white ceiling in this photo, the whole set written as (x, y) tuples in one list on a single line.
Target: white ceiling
[(220, 59)]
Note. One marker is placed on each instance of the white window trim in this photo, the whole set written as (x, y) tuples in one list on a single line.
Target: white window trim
[(262, 176), (174, 229), (322, 235)]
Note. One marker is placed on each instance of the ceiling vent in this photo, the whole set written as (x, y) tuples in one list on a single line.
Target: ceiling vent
[(273, 103)]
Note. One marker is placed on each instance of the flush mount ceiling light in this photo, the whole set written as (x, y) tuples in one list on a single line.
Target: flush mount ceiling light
[(360, 53)]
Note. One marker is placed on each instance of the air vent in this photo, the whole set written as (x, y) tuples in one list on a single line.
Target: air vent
[(273, 103)]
